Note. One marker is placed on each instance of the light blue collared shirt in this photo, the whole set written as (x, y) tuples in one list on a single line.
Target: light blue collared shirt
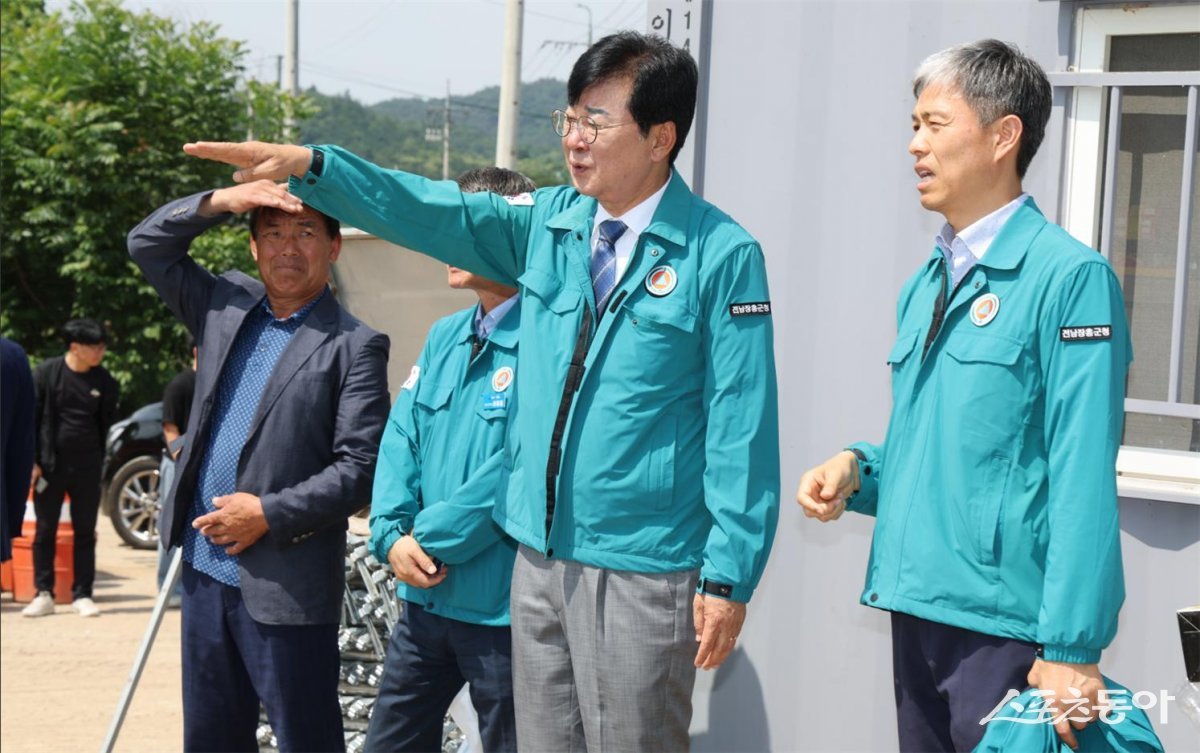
[(486, 323), (963, 250)]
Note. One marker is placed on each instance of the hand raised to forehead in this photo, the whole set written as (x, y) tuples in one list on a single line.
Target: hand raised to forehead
[(257, 159), (260, 193)]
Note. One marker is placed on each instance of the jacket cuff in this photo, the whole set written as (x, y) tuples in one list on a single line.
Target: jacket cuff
[(381, 545), (868, 474), (276, 525), (304, 186), (722, 590), (1071, 654)]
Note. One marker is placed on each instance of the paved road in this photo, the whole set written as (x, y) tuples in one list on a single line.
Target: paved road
[(62, 675)]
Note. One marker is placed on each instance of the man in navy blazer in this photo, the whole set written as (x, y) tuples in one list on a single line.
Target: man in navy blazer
[(291, 400)]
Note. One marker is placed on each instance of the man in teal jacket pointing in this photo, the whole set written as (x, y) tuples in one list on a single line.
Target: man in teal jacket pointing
[(996, 542), (641, 468)]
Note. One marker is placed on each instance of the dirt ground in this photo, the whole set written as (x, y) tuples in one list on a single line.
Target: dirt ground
[(61, 676)]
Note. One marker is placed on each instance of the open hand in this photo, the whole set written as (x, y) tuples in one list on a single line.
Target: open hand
[(718, 623), (243, 198), (257, 159)]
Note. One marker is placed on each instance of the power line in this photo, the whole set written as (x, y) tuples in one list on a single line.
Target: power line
[(371, 20), (572, 21), (627, 22), (613, 12)]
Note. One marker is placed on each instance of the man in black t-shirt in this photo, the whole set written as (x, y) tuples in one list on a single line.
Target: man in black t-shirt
[(76, 404), (176, 405)]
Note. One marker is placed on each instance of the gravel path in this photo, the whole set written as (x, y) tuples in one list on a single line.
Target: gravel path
[(61, 675)]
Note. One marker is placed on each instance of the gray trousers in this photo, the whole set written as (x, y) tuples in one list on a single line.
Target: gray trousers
[(602, 659)]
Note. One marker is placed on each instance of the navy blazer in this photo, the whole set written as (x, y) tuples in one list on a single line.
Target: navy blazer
[(311, 447)]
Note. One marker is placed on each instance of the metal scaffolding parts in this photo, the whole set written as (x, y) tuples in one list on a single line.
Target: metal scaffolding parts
[(370, 611)]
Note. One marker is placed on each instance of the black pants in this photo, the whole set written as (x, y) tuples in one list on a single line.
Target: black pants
[(947, 679), (428, 660), (78, 476)]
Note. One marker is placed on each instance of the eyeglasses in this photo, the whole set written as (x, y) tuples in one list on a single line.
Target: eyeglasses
[(587, 128)]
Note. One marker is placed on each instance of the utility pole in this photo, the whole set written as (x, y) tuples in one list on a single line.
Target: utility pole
[(446, 135), (279, 72), (293, 63), (433, 133), (510, 85)]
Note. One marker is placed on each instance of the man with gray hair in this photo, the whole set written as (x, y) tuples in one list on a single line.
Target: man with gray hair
[(996, 545)]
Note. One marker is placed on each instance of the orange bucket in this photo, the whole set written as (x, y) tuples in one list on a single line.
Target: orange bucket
[(21, 565)]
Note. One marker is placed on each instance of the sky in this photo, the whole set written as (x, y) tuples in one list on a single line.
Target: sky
[(380, 49)]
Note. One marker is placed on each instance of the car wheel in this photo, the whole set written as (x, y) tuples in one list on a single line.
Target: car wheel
[(133, 502)]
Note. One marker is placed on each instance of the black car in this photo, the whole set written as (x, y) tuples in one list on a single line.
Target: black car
[(132, 456)]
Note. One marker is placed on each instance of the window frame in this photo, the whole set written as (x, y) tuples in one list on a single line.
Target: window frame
[(1146, 473)]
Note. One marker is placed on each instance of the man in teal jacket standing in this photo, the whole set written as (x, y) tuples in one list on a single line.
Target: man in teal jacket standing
[(996, 542), (641, 468), (431, 502)]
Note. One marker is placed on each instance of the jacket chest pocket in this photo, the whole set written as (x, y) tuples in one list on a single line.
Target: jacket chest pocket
[(902, 361), (986, 378), (660, 336), (433, 396), (493, 399), (548, 288)]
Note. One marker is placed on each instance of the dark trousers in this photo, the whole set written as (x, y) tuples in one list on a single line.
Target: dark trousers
[(948, 678), (428, 659), (78, 476), (230, 662)]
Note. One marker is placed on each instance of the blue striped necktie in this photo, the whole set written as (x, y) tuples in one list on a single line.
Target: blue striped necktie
[(604, 261)]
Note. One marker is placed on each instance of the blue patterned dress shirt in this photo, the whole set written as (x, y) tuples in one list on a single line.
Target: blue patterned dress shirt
[(255, 351)]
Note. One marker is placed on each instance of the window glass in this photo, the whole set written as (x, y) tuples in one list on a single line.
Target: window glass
[(1146, 233)]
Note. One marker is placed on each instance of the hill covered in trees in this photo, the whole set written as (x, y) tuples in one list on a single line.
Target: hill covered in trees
[(393, 132)]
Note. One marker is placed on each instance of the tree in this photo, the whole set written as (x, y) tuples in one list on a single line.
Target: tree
[(95, 105)]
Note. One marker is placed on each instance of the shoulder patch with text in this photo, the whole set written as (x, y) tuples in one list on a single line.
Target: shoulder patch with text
[(413, 376), (757, 308), (1092, 332), (520, 200)]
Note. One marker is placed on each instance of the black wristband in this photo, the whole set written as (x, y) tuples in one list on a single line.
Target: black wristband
[(724, 590), (318, 162)]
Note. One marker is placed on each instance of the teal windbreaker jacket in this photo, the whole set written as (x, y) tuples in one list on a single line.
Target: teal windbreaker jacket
[(645, 436), (1024, 725), (433, 478), (995, 489)]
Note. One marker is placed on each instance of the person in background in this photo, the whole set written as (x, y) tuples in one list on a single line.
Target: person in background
[(17, 437), (433, 500), (76, 404), (997, 547), (176, 405)]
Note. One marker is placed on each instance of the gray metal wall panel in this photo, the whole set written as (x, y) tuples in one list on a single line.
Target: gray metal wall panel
[(808, 126), (398, 292)]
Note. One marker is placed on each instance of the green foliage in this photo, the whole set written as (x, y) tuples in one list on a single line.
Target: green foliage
[(95, 105)]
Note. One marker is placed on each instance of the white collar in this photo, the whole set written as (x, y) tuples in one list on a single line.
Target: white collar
[(636, 219)]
